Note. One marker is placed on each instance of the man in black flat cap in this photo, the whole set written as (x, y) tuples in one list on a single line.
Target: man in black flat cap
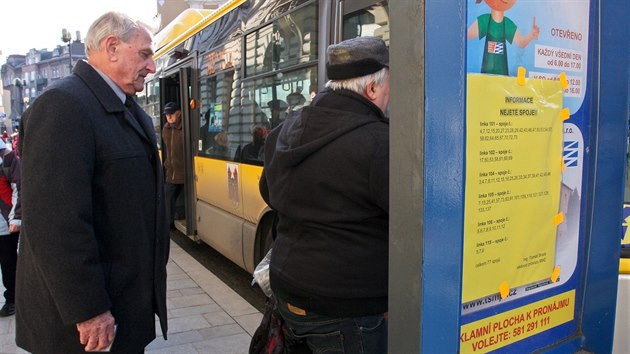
[(327, 175), (173, 139)]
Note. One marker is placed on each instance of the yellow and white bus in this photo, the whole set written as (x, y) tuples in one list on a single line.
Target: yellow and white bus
[(236, 72)]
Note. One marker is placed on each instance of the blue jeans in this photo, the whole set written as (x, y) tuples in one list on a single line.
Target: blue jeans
[(323, 334)]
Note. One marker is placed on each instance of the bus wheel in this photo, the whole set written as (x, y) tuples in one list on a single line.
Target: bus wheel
[(265, 240)]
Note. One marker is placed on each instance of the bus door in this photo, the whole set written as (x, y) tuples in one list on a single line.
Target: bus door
[(176, 86)]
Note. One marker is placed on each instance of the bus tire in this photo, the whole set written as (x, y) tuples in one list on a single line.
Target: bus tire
[(266, 236)]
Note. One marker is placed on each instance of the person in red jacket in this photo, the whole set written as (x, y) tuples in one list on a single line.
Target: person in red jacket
[(11, 211)]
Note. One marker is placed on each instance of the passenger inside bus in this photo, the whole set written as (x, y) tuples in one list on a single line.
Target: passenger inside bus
[(253, 151), (251, 111), (221, 146), (209, 127), (205, 136), (295, 100), (278, 112)]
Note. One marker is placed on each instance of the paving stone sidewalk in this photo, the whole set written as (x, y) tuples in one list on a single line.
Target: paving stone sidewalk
[(205, 315)]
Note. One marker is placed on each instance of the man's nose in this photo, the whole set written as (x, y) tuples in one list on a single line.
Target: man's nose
[(151, 65)]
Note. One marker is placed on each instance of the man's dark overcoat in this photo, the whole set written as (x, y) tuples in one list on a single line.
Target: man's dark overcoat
[(94, 233)]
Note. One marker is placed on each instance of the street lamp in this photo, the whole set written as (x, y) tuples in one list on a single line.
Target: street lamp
[(19, 99), (66, 37), (18, 103)]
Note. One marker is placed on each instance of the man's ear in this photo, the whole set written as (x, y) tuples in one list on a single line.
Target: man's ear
[(370, 91), (111, 44)]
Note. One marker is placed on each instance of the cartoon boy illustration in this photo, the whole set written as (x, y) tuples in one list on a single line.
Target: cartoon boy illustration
[(498, 29)]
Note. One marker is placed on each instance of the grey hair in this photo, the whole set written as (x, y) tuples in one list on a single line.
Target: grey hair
[(359, 84), (111, 24)]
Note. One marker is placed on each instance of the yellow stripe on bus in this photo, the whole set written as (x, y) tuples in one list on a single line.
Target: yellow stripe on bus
[(179, 25), (181, 34)]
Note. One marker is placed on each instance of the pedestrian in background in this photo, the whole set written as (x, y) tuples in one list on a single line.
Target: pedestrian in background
[(326, 174), (94, 247), (14, 143), (11, 210), (173, 159)]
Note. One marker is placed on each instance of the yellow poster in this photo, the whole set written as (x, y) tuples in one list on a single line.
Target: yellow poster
[(626, 225), (513, 179), (508, 327)]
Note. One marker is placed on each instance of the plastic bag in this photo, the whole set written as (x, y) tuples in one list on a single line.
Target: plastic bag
[(261, 275)]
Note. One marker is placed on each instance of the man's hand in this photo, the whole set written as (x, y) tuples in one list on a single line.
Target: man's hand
[(14, 228), (97, 333)]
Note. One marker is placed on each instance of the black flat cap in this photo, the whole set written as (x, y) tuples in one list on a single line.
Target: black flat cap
[(171, 108), (356, 57)]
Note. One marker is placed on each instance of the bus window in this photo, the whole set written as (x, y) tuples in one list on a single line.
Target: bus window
[(149, 100), (370, 21), (252, 152), (279, 94), (220, 95), (251, 117), (153, 107), (216, 113), (287, 41)]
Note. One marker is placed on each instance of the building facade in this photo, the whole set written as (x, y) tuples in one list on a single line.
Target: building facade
[(24, 77)]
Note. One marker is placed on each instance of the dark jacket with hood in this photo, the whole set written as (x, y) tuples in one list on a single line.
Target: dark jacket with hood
[(327, 175)]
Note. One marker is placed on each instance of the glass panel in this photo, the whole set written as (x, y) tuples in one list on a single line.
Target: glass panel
[(265, 104), (219, 104), (370, 21), (220, 95), (148, 99), (289, 40), (225, 57), (150, 102), (262, 11), (257, 44)]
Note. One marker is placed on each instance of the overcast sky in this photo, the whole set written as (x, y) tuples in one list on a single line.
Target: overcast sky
[(37, 23)]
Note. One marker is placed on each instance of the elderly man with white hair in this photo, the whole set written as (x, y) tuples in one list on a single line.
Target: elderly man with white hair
[(94, 244), (326, 174)]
